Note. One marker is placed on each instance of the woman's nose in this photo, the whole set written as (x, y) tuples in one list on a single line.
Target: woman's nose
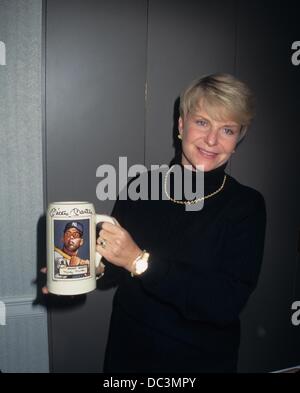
[(212, 137)]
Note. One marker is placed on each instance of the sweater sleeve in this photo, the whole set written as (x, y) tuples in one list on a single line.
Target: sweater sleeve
[(216, 296)]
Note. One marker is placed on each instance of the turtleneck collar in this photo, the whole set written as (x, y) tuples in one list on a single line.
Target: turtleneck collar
[(212, 179)]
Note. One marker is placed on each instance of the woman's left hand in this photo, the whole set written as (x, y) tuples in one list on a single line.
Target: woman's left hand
[(116, 245)]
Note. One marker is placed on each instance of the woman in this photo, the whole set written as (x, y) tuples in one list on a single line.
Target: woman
[(181, 314)]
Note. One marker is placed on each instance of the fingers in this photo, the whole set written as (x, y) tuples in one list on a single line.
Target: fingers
[(45, 291), (108, 224), (114, 243), (111, 228), (102, 235), (104, 252), (116, 222), (106, 237), (99, 249), (111, 232), (108, 233)]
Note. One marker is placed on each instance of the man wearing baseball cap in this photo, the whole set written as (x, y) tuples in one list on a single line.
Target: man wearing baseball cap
[(68, 255)]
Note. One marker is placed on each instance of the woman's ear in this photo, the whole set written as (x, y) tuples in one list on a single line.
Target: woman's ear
[(180, 125)]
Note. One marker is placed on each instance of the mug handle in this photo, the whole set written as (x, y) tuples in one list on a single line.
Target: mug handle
[(102, 218)]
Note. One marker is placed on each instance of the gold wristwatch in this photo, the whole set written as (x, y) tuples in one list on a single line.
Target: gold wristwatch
[(140, 264)]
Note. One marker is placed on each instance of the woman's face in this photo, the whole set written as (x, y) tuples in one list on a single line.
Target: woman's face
[(206, 141)]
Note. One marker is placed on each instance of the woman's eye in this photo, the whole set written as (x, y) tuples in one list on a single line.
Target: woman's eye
[(228, 131), (201, 123)]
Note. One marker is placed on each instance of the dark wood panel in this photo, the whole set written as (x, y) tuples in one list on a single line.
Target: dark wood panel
[(95, 77), (268, 161), (186, 39)]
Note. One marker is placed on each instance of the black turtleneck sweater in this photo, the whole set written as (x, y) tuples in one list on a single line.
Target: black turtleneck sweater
[(182, 314)]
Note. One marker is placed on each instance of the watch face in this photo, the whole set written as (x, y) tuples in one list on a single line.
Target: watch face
[(141, 266)]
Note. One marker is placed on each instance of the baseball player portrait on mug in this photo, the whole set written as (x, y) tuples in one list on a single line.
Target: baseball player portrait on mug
[(71, 251)]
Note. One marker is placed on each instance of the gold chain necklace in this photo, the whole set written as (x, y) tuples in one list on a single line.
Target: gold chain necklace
[(195, 200)]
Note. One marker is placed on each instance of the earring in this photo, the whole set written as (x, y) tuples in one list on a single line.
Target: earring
[(179, 136)]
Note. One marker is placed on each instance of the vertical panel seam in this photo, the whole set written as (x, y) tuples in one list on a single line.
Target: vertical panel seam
[(235, 54), (44, 155), (146, 79)]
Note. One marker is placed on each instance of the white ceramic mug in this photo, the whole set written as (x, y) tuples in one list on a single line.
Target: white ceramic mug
[(71, 247)]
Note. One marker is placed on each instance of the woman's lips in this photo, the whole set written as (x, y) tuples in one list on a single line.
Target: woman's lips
[(206, 154)]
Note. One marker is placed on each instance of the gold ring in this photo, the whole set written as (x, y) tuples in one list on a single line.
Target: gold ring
[(103, 243)]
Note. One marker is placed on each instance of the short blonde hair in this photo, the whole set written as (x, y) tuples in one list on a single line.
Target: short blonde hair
[(223, 96)]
